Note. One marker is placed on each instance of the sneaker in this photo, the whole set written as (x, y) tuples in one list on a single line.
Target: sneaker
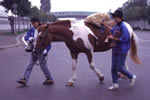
[(22, 81), (113, 87), (132, 81), (48, 82)]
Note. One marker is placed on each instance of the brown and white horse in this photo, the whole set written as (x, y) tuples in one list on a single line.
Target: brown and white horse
[(80, 37)]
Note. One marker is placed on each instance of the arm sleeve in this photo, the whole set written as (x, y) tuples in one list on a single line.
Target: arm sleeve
[(28, 34), (125, 34), (48, 48)]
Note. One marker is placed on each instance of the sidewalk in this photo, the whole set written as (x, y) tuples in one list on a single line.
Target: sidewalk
[(8, 40)]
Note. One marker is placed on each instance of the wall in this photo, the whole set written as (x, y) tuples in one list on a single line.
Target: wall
[(21, 24)]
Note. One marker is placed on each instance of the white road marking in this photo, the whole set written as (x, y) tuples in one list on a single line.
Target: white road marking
[(24, 40)]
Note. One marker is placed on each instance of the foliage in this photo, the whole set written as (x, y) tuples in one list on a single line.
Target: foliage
[(35, 12), (132, 13), (23, 6), (136, 10)]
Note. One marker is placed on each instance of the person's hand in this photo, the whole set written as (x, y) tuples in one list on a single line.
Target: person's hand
[(45, 53), (110, 37)]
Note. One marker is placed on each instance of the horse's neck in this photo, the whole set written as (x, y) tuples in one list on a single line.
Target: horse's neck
[(60, 30)]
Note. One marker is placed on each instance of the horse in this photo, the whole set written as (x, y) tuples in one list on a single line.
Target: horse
[(81, 37)]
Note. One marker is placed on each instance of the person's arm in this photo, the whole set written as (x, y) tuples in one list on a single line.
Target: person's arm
[(45, 52), (125, 34), (28, 34), (124, 37), (49, 47)]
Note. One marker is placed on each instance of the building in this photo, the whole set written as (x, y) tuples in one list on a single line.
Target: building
[(45, 5)]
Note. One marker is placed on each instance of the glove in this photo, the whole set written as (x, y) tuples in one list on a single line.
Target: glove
[(31, 38), (45, 53)]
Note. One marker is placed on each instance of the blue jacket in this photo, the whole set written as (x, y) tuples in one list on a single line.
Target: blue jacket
[(30, 33), (123, 45)]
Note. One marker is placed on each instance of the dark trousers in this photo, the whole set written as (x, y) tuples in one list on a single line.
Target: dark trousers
[(118, 65)]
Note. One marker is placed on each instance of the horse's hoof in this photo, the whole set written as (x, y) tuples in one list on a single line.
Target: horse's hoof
[(70, 84), (101, 78)]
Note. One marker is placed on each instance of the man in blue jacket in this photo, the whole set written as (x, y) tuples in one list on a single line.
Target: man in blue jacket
[(120, 51), (31, 36)]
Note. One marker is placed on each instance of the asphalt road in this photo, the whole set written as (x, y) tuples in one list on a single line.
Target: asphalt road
[(13, 62)]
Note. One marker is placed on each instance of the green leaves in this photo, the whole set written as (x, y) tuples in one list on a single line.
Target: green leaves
[(136, 10), (35, 12), (23, 6), (24, 9)]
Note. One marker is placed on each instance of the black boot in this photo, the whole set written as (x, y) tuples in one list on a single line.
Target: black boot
[(22, 81)]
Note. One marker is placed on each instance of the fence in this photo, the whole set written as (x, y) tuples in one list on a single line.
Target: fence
[(18, 23)]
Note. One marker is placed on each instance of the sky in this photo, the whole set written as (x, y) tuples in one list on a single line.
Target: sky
[(81, 5)]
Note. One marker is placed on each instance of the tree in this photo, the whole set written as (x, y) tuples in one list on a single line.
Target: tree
[(35, 12), (132, 13), (23, 6), (136, 10)]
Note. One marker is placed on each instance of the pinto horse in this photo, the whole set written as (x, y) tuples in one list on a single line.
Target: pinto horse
[(80, 37)]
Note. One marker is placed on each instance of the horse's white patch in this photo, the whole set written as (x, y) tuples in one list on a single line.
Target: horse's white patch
[(80, 30)]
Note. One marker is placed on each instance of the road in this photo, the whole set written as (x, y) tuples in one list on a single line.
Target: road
[(87, 87)]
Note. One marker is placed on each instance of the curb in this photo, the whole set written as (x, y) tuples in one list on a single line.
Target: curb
[(23, 40), (13, 45)]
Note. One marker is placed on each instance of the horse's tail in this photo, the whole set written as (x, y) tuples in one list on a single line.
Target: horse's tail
[(134, 49)]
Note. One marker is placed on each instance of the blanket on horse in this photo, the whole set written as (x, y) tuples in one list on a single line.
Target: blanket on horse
[(97, 18)]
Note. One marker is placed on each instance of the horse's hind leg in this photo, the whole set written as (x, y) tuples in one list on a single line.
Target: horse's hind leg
[(74, 65), (92, 66)]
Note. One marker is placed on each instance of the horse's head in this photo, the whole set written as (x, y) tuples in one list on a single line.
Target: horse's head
[(43, 39)]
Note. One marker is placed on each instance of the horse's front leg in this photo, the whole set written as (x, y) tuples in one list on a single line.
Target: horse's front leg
[(74, 70), (92, 66)]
